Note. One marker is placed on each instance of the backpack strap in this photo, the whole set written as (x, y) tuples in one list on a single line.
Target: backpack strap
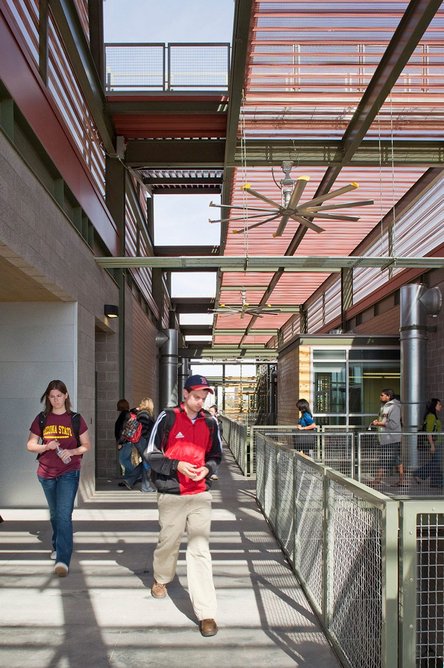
[(42, 422), (75, 421), (170, 419)]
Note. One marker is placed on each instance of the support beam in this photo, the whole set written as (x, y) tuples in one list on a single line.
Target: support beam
[(242, 20), (326, 264), (68, 23), (96, 40), (370, 153), (175, 153)]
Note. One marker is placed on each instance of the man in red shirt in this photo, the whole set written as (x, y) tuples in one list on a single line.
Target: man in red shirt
[(184, 451)]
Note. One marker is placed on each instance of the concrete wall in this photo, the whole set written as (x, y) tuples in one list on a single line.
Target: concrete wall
[(38, 343), (39, 241)]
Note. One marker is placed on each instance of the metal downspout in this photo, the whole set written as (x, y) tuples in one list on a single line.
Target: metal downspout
[(169, 360), (417, 302)]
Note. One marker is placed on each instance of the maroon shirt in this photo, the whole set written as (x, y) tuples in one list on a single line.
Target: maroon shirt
[(57, 427)]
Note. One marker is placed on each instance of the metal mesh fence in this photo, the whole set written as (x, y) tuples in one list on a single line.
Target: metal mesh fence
[(333, 449), (198, 66), (356, 584), (285, 484), (135, 66), (407, 464), (167, 67), (309, 512), (371, 565), (430, 590), (335, 535)]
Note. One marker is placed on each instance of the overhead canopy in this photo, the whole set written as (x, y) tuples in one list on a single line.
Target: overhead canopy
[(344, 92)]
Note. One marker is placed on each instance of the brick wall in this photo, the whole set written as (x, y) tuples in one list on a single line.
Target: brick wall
[(107, 381), (287, 387)]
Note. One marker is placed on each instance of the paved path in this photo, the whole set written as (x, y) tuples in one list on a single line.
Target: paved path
[(102, 614)]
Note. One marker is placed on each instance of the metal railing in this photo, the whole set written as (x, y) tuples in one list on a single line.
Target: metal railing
[(236, 435), (357, 454), (167, 67), (341, 539)]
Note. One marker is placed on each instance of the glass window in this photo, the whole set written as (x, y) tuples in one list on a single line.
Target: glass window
[(376, 354), (330, 354), (329, 392), (366, 380)]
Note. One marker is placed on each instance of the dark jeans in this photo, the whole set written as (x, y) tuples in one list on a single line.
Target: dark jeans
[(142, 470), (431, 469), (60, 494)]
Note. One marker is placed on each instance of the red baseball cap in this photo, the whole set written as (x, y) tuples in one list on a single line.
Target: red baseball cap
[(197, 383)]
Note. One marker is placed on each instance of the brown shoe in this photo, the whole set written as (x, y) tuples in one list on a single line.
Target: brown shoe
[(208, 627), (158, 590)]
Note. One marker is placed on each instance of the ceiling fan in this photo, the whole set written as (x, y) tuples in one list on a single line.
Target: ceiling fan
[(244, 308), (290, 208)]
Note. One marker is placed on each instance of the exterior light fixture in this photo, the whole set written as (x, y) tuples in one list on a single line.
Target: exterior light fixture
[(111, 310)]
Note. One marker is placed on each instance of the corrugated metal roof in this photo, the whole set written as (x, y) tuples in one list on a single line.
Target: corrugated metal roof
[(309, 65)]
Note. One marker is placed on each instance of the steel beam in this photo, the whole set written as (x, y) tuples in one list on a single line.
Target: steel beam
[(167, 103), (68, 22), (370, 153), (270, 263), (239, 55), (175, 153)]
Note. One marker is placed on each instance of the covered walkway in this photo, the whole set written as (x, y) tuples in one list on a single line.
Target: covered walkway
[(103, 613)]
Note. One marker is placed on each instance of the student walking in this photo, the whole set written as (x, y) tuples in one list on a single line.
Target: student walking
[(60, 438), (431, 468), (389, 426), (184, 451)]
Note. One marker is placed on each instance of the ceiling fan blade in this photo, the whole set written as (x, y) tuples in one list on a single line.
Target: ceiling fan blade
[(250, 227), (244, 218), (336, 216), (234, 206), (298, 189), (247, 188), (308, 223), (333, 193), (282, 225), (305, 208)]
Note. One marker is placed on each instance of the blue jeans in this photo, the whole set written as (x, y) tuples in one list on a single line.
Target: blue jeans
[(431, 469), (60, 494), (125, 457), (134, 473)]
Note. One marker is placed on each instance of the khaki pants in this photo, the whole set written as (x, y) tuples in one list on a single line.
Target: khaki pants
[(190, 513)]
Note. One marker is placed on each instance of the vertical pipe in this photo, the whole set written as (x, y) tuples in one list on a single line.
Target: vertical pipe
[(417, 302), (169, 358)]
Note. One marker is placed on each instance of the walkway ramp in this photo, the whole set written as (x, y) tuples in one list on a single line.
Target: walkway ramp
[(102, 614)]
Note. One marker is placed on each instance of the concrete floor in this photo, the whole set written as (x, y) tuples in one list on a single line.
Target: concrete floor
[(102, 614)]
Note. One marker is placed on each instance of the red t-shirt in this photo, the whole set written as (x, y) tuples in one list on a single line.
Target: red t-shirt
[(57, 427)]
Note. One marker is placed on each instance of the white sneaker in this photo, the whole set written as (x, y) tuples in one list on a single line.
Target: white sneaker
[(61, 569), (53, 555)]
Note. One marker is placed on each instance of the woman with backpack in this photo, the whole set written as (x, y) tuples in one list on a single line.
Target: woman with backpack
[(60, 438), (142, 419), (432, 467)]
